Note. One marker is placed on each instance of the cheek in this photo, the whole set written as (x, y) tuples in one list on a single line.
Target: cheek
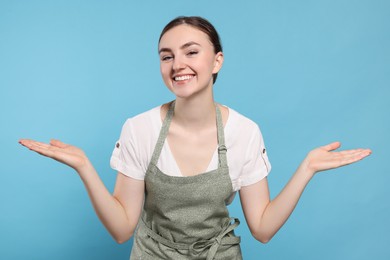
[(164, 70), (165, 74), (208, 63)]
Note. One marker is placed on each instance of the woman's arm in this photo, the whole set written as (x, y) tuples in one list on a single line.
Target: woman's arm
[(266, 217), (118, 212)]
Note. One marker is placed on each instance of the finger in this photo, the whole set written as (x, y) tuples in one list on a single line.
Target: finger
[(348, 152), (355, 156), (24, 141), (362, 153), (42, 148), (28, 142), (354, 152), (39, 147)]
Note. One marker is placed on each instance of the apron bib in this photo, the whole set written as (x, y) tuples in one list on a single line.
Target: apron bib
[(186, 217)]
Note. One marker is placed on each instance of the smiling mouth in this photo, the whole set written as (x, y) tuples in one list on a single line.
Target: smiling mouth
[(182, 78)]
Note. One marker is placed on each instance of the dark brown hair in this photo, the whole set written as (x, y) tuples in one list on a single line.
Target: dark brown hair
[(200, 24)]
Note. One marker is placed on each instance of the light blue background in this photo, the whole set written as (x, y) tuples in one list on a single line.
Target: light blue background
[(308, 72)]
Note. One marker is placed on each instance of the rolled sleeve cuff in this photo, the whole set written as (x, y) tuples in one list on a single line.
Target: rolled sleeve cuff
[(255, 176), (121, 167)]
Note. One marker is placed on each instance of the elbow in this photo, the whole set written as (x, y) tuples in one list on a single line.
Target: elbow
[(122, 233), (122, 238), (262, 238), (120, 241)]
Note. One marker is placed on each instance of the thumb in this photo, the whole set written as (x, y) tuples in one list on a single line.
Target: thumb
[(332, 146), (57, 143)]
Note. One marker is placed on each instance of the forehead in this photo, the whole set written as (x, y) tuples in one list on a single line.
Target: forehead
[(182, 34)]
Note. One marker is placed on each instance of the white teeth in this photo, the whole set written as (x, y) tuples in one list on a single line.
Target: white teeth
[(186, 77)]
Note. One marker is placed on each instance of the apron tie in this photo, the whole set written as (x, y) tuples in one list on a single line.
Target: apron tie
[(214, 243), (199, 246)]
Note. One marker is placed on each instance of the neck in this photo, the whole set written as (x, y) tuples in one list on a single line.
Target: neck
[(195, 114)]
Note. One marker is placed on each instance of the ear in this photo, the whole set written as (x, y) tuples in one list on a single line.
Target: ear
[(218, 61)]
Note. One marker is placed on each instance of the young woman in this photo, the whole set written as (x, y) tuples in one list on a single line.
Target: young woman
[(181, 163)]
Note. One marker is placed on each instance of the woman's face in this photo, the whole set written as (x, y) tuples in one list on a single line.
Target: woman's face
[(188, 61)]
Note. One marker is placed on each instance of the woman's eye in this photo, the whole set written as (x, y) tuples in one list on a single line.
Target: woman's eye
[(166, 58), (190, 53)]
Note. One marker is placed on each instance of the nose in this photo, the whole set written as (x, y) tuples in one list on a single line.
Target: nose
[(178, 64)]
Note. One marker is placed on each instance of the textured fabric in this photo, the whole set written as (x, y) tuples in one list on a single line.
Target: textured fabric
[(186, 217), (247, 158)]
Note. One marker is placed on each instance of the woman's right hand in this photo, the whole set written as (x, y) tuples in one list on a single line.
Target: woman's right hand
[(120, 212), (59, 151)]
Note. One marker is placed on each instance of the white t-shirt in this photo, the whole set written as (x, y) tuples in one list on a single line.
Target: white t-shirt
[(246, 154)]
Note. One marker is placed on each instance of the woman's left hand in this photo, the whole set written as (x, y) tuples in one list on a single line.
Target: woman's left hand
[(325, 158)]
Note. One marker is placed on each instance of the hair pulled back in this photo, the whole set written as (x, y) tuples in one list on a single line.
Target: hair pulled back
[(201, 24)]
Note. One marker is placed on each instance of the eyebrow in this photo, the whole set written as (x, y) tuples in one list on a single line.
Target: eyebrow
[(184, 46)]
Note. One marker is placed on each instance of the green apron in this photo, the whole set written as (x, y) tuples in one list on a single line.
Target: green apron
[(187, 217)]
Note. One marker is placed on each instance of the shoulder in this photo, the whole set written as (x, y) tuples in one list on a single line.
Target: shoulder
[(145, 117), (145, 120), (238, 122), (241, 131), (142, 128)]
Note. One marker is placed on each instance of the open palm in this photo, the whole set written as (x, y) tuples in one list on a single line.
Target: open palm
[(59, 151), (325, 157)]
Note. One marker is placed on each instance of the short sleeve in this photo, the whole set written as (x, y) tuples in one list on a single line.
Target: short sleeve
[(125, 157), (256, 165)]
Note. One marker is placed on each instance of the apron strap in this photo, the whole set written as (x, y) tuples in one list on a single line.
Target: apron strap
[(164, 132), (221, 139), (163, 135)]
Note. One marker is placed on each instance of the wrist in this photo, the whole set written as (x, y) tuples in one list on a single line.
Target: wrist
[(85, 168), (306, 170)]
